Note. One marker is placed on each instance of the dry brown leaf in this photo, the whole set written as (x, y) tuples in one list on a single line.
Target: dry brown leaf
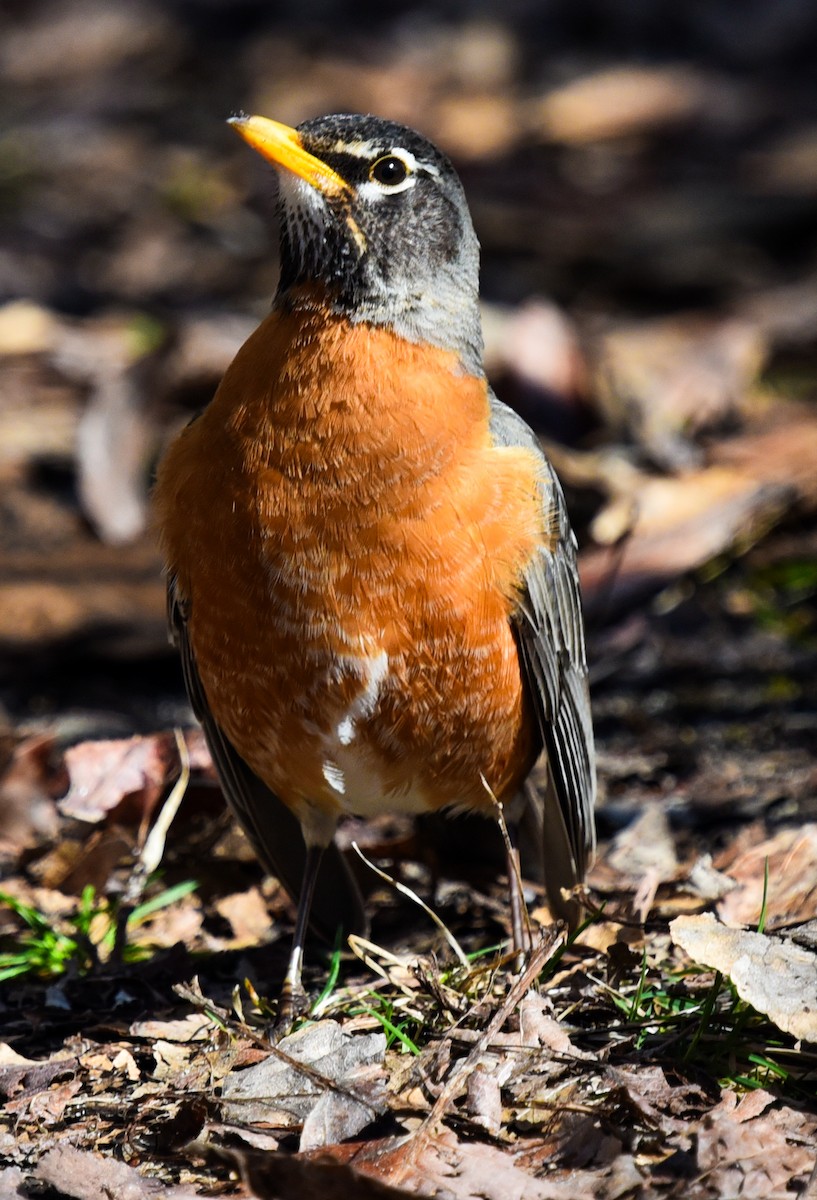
[(114, 443), (12, 1184), (196, 1027), (753, 1158), (125, 1064), (172, 1061), (663, 381), (85, 1176), (75, 863), (707, 881), (644, 854), (28, 787), (10, 1058), (681, 523), (535, 348), (744, 1107), (444, 1167), (27, 1078), (782, 453), (776, 977), (652, 1101), (483, 1099), (84, 587), (538, 1027), (792, 889), (340, 1089), (107, 775), (248, 915), (178, 923), (115, 360), (48, 1106)]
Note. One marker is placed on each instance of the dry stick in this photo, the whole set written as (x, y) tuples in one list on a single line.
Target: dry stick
[(539, 956), (153, 849), (516, 895), (192, 993), (406, 891)]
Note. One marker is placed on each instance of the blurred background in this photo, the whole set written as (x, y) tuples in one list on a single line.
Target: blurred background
[(643, 179)]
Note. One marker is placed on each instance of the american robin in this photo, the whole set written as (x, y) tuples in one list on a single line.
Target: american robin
[(372, 578)]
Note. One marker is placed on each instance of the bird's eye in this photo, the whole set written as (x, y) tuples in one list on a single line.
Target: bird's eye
[(389, 171)]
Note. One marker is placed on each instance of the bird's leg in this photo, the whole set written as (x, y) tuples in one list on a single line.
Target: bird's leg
[(293, 1001)]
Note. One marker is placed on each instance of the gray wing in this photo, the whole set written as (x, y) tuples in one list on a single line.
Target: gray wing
[(274, 832), (550, 635)]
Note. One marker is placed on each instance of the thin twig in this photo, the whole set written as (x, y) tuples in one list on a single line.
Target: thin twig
[(548, 945), (407, 891), (192, 993), (516, 894)]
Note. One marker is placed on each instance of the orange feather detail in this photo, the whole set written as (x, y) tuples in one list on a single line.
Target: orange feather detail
[(351, 545)]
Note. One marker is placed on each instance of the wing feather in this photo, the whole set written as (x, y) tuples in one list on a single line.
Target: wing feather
[(550, 634)]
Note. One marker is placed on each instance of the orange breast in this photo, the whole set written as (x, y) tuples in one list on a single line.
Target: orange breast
[(352, 544)]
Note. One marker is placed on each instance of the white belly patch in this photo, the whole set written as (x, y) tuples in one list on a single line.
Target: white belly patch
[(376, 670), (350, 768)]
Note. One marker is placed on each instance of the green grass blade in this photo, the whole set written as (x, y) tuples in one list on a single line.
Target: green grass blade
[(761, 921), (395, 1033), (169, 896), (332, 978)]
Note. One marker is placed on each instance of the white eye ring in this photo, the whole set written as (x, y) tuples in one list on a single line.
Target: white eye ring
[(372, 189)]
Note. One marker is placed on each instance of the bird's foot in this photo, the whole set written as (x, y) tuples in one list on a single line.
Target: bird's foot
[(293, 1003)]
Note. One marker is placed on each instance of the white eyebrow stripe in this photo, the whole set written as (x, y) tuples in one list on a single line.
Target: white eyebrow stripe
[(356, 149), (369, 149)]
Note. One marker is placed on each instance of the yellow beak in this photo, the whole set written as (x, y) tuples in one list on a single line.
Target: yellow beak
[(282, 146)]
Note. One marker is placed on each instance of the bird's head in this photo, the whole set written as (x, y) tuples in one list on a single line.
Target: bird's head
[(374, 216)]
